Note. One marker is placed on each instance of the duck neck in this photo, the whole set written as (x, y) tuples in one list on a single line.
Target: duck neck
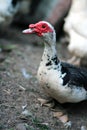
[(49, 57)]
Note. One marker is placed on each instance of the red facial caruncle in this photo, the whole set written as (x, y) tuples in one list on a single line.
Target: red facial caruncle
[(39, 28)]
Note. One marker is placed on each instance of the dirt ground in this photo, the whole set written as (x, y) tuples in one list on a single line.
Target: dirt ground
[(19, 88)]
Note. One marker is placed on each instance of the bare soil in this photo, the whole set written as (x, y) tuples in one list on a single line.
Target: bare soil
[(19, 86)]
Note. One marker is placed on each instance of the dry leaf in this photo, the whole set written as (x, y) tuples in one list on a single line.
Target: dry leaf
[(42, 101), (47, 103), (63, 118), (51, 105)]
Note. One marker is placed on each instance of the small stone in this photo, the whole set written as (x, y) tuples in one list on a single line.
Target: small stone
[(25, 74), (83, 128), (21, 88), (24, 106), (26, 113), (21, 126)]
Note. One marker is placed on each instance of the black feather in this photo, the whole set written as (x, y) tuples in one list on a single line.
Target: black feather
[(55, 60), (49, 63), (74, 75)]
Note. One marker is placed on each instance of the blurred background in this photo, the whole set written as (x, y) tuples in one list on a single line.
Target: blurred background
[(23, 12), (65, 15)]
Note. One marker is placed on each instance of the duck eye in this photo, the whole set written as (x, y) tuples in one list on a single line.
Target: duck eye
[(43, 26)]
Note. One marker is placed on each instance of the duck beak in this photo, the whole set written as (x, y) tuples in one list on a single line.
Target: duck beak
[(28, 31)]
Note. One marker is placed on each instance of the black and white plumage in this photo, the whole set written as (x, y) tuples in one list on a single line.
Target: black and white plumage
[(61, 81)]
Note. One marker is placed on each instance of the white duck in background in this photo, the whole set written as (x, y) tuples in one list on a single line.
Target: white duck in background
[(75, 26), (8, 8)]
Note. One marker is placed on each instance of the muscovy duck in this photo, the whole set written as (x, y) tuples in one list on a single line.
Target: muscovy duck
[(60, 80)]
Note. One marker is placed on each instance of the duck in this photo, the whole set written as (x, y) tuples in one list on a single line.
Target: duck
[(8, 8), (61, 81), (75, 26)]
